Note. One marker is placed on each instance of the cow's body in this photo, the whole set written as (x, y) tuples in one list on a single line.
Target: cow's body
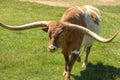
[(86, 16)]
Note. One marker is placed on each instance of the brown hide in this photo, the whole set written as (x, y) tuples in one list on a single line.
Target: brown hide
[(71, 41), (95, 18), (73, 36), (74, 16)]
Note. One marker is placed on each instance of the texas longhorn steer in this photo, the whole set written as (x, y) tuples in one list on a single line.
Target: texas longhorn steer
[(78, 26)]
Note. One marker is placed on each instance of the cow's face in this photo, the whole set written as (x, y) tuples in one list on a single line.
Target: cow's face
[(55, 31)]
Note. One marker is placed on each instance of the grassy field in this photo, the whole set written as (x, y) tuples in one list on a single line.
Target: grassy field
[(24, 55)]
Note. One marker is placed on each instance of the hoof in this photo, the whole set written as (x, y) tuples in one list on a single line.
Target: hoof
[(64, 73), (67, 76), (67, 79), (84, 65)]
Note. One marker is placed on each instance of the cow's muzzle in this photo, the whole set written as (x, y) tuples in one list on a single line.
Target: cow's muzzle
[(52, 48)]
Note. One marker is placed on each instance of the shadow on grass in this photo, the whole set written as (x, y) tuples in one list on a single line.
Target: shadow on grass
[(99, 72)]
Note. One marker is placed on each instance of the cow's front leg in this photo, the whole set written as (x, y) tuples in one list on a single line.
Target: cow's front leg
[(66, 57), (70, 64)]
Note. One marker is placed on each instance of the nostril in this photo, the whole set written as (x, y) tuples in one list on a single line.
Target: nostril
[(52, 48)]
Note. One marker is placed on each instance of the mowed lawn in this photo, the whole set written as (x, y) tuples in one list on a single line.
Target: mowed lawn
[(24, 55)]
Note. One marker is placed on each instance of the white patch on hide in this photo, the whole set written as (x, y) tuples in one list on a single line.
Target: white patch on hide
[(75, 52)]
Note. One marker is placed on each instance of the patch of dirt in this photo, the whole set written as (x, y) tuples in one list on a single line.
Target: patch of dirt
[(51, 3), (110, 2), (75, 2)]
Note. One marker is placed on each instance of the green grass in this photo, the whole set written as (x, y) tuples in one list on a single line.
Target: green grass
[(24, 55)]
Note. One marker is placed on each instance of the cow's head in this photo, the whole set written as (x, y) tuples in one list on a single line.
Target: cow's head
[(55, 31)]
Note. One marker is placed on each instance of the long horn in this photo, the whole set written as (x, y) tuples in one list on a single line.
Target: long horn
[(26, 26), (92, 34)]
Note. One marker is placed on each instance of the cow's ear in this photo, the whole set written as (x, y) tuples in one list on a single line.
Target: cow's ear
[(45, 29)]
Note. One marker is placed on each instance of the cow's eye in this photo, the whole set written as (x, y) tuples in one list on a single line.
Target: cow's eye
[(50, 35)]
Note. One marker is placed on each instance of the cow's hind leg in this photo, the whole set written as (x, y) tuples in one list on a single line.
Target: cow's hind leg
[(81, 53), (85, 63)]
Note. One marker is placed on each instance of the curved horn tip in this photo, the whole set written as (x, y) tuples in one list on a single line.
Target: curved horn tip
[(116, 33), (113, 36)]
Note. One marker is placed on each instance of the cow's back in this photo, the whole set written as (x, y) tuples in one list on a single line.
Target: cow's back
[(86, 16)]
